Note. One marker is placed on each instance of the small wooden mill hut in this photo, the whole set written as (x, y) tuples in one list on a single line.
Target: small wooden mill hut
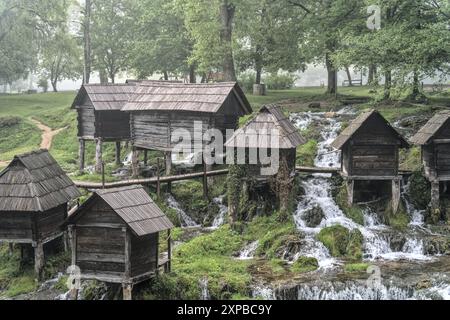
[(370, 152), (100, 119), (34, 197), (158, 109), (269, 129), (434, 139), (115, 237)]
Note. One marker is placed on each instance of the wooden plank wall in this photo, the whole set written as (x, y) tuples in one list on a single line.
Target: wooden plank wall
[(113, 125), (51, 221), (16, 225), (144, 254)]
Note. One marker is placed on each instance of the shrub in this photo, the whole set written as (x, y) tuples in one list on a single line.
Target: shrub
[(246, 81), (276, 81)]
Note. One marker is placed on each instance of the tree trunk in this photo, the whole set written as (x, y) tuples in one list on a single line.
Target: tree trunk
[(192, 74), (416, 84), (113, 78), (103, 76), (332, 75), (166, 75), (387, 85), (349, 76), (204, 78), (87, 42), (227, 11)]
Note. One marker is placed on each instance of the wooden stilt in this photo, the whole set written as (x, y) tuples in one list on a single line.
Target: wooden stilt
[(10, 249), (205, 181), (127, 291), (168, 158), (39, 259), (81, 154), (98, 155), (135, 163), (350, 188), (395, 195), (118, 152), (435, 195), (66, 241), (169, 250), (145, 157)]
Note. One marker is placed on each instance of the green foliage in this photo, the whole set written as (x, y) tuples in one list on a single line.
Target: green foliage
[(305, 264), (399, 220), (17, 136), (21, 285), (342, 242), (246, 81), (307, 153), (411, 159), (280, 81)]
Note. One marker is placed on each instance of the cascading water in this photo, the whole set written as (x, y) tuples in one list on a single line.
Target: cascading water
[(186, 220), (249, 251)]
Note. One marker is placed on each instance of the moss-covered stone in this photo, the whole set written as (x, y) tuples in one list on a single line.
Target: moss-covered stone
[(356, 267), (399, 220), (305, 264), (342, 242), (354, 212), (419, 190)]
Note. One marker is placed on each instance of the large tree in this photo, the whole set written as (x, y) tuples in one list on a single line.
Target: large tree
[(162, 44)]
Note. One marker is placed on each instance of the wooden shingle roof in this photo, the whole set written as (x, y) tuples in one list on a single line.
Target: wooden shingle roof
[(34, 182), (429, 130), (258, 132), (358, 123), (172, 96), (135, 207), (105, 96)]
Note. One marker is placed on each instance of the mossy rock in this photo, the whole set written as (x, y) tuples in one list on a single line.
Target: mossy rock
[(354, 212), (335, 238), (419, 190), (356, 267), (305, 264), (355, 245), (399, 220)]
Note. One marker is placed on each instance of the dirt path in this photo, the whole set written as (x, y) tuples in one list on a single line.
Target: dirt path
[(47, 134)]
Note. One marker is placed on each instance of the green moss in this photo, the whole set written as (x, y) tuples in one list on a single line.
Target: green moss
[(419, 190), (305, 264), (62, 284), (307, 153), (335, 238), (399, 220), (354, 212), (355, 245), (277, 266), (21, 285), (356, 267)]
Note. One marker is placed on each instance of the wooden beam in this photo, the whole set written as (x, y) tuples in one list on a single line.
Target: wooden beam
[(39, 260), (395, 195), (168, 158), (135, 162), (435, 196), (350, 188), (158, 181), (127, 236), (205, 181), (127, 291), (169, 250), (145, 157)]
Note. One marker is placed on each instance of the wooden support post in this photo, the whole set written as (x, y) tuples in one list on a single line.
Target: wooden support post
[(395, 195), (66, 241), (39, 259), (127, 291), (73, 244), (168, 158), (205, 181), (169, 250), (10, 249), (118, 152), (135, 162), (145, 157), (98, 155), (82, 154), (158, 183), (435, 196), (350, 188)]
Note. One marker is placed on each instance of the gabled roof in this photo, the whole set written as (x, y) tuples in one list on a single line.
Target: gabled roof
[(105, 96), (172, 96), (358, 123), (134, 206), (269, 118), (34, 182), (429, 130)]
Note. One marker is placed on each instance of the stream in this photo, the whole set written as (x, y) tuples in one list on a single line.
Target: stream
[(395, 266)]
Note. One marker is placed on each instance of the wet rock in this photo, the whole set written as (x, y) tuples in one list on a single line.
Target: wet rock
[(424, 284), (437, 245), (396, 241), (313, 217)]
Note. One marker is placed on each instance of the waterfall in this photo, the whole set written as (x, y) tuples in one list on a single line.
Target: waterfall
[(186, 220), (128, 159), (204, 292)]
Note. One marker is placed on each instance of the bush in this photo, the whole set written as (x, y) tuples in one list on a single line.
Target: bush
[(282, 81), (43, 84), (419, 190)]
